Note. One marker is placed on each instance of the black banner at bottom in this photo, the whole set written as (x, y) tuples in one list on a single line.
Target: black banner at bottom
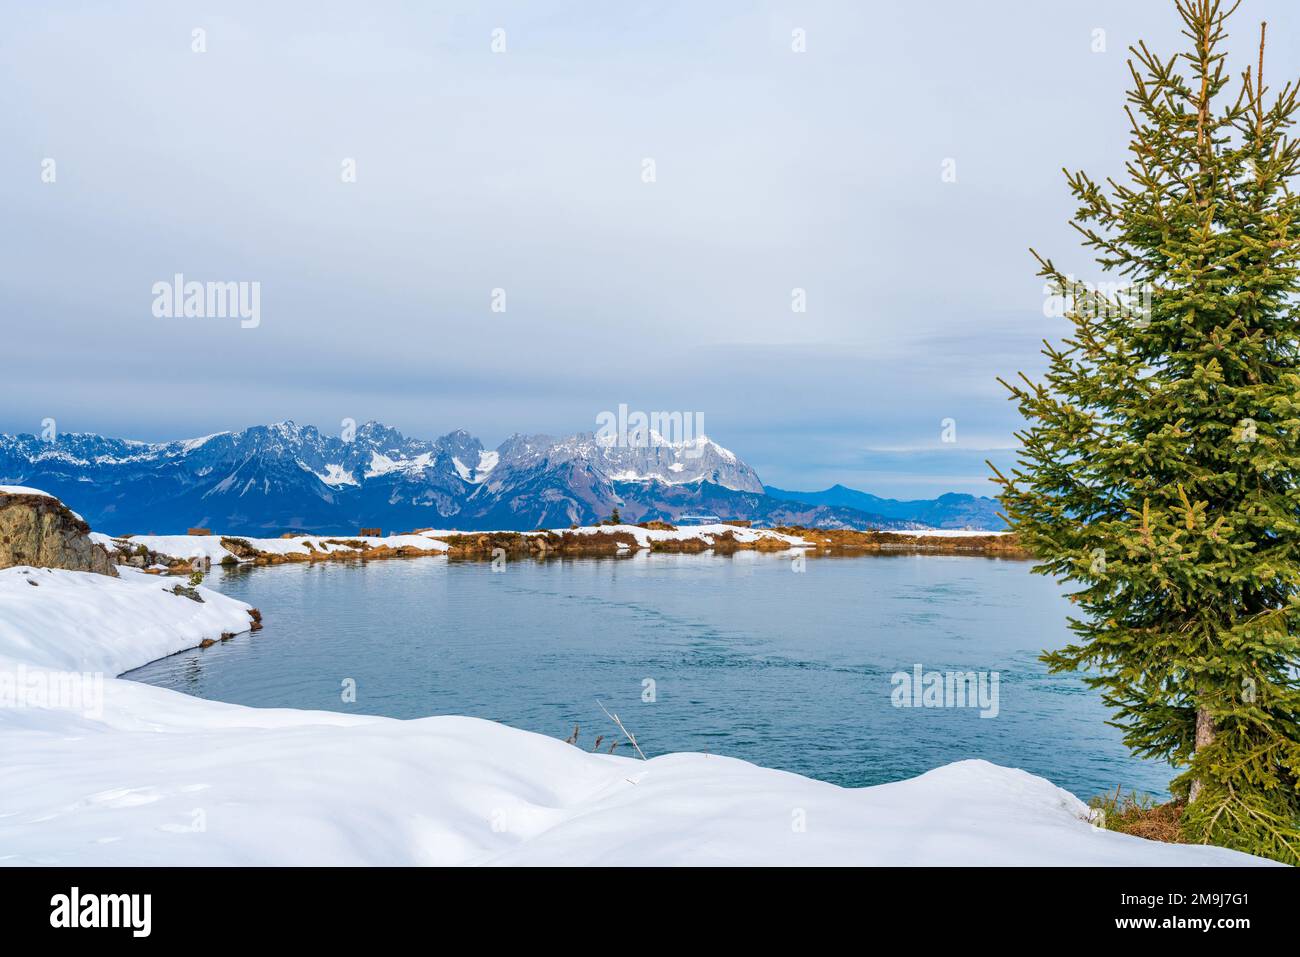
[(333, 906)]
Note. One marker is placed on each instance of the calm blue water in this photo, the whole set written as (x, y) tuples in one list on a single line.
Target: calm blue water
[(748, 658)]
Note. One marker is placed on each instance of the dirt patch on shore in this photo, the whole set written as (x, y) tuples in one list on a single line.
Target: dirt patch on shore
[(345, 549), (599, 542), (848, 542), (483, 546)]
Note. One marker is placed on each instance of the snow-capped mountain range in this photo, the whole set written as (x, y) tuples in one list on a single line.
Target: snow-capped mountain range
[(285, 477)]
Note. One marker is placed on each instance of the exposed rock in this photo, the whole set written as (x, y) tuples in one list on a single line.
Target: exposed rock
[(186, 591), (849, 542), (482, 546), (239, 547), (40, 530), (126, 552)]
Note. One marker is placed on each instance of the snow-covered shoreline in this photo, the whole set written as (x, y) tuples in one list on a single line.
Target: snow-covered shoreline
[(210, 547), (155, 777), (429, 541), (216, 549)]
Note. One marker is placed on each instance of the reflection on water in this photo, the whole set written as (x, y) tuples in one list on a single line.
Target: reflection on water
[(743, 657)]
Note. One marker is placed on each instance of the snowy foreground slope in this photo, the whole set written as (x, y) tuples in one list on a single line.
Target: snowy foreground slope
[(140, 775)]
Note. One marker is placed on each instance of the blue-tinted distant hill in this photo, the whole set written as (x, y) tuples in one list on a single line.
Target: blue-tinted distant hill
[(952, 510)]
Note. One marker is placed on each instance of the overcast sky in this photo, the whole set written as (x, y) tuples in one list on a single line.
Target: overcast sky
[(524, 170)]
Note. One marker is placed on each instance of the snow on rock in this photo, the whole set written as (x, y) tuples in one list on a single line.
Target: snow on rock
[(174, 546), (381, 464), (23, 490), (186, 446), (209, 546), (477, 474), (39, 493), (327, 543), (336, 475)]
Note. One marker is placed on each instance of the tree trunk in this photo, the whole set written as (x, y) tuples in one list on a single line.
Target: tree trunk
[(1204, 737)]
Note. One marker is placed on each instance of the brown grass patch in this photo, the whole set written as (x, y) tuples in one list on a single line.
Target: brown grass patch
[(848, 541), (1141, 816)]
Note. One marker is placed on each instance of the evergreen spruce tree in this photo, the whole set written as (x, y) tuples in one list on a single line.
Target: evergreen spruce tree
[(1160, 471)]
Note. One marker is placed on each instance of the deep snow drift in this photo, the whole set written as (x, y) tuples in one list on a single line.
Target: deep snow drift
[(132, 774)]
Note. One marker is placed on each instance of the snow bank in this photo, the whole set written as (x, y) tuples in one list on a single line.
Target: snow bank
[(153, 777), (174, 546), (79, 621), (39, 493), (23, 490)]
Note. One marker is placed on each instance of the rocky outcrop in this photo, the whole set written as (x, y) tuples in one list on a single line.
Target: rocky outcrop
[(38, 529), (151, 562)]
